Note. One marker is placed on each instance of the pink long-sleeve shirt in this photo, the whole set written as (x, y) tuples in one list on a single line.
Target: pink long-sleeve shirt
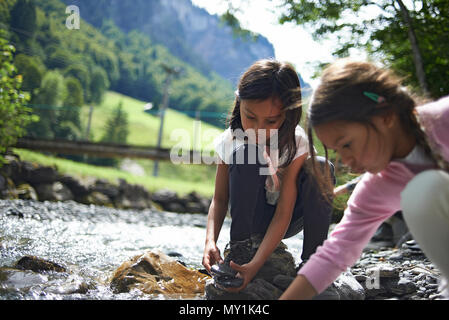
[(375, 199)]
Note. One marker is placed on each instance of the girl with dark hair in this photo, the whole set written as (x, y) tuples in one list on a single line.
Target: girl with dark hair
[(262, 175), (365, 115)]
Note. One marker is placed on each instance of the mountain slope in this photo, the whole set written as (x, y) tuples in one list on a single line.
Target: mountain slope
[(189, 32)]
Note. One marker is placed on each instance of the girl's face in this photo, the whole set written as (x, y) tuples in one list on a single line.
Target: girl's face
[(262, 114), (360, 146)]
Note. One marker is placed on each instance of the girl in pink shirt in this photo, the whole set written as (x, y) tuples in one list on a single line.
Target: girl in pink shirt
[(365, 115)]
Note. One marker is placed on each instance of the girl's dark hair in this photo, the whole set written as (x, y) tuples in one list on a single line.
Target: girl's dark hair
[(266, 79), (341, 95)]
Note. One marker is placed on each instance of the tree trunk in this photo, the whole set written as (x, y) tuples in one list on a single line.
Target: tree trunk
[(417, 57)]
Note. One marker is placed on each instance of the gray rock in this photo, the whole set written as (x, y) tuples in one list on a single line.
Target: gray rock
[(105, 187), (78, 187), (26, 192), (55, 191), (384, 271), (38, 265), (275, 277), (263, 286), (345, 287), (403, 286), (348, 287)]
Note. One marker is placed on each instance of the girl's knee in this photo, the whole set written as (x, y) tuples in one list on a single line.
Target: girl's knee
[(320, 163), (426, 194)]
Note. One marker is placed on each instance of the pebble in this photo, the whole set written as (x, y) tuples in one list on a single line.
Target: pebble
[(404, 274)]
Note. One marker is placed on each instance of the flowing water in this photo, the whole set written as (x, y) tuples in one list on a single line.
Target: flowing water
[(91, 242)]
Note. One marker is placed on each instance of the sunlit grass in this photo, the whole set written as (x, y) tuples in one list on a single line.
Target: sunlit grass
[(144, 127), (182, 179)]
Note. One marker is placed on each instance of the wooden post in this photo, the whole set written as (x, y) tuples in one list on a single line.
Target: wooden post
[(89, 121), (170, 72)]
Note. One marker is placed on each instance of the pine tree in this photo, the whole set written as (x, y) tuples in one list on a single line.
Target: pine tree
[(117, 126), (23, 19)]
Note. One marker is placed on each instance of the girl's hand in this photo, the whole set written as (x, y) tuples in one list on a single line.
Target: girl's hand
[(246, 271), (211, 255)]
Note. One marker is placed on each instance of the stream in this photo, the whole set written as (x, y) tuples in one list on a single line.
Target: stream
[(91, 242)]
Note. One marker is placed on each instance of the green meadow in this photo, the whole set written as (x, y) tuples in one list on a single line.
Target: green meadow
[(144, 127), (178, 131)]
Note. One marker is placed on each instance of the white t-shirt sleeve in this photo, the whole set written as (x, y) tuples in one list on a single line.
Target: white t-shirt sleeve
[(302, 142), (219, 144), (224, 145)]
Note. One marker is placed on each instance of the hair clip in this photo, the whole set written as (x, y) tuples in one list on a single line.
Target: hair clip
[(373, 96), (236, 92)]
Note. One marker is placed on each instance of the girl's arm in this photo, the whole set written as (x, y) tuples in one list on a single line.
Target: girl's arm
[(278, 226), (216, 215), (299, 289), (375, 198)]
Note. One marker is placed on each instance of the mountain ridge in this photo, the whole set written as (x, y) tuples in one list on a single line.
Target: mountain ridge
[(189, 32)]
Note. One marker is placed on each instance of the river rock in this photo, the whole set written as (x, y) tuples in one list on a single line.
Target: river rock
[(38, 265), (168, 200), (78, 187), (3, 183), (11, 167), (402, 273), (156, 273), (132, 196), (26, 192), (50, 185), (195, 203), (36, 174), (7, 188), (105, 187), (263, 286), (54, 191), (96, 198), (346, 287), (276, 275), (190, 203)]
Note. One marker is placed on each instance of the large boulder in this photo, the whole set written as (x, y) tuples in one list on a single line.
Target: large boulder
[(263, 286), (78, 187), (7, 188), (26, 192), (157, 273), (105, 187), (53, 191), (36, 174), (275, 277), (189, 203), (132, 196), (37, 264)]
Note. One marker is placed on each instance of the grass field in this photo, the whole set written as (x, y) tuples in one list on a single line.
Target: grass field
[(143, 130)]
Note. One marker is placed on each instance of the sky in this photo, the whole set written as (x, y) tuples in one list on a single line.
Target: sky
[(291, 42)]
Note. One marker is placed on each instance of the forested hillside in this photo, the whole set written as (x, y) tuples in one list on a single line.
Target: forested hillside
[(189, 32), (62, 68)]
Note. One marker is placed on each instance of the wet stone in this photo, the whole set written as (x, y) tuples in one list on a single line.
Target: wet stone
[(38, 265)]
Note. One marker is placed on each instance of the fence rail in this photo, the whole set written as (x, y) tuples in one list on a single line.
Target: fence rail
[(106, 150)]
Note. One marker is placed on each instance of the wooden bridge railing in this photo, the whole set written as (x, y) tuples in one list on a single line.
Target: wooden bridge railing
[(105, 150)]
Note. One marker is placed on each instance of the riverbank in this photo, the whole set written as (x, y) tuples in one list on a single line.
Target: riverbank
[(31, 181), (92, 241)]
